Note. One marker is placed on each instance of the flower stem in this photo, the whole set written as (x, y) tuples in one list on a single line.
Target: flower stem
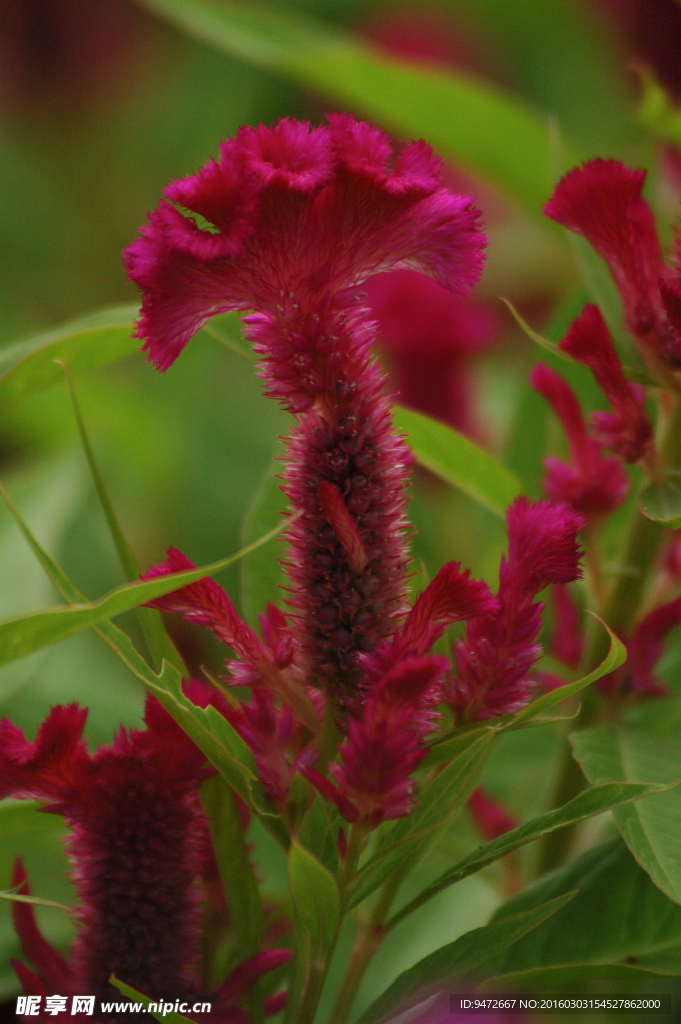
[(620, 610), (370, 935)]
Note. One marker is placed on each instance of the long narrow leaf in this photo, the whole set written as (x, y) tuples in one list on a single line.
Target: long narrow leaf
[(586, 805), (458, 460), (492, 133), (29, 633)]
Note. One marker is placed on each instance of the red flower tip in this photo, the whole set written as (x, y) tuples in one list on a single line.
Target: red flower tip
[(450, 597), (43, 770), (644, 650), (628, 431), (542, 546), (592, 485), (343, 525), (670, 292)]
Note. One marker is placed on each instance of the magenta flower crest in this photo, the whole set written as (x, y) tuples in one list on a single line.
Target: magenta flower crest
[(299, 219), (603, 202)]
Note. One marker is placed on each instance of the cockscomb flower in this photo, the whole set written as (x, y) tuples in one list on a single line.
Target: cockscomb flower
[(602, 200), (298, 219), (627, 430), (499, 649), (590, 483), (137, 848)]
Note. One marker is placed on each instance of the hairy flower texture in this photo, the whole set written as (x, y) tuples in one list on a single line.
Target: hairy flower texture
[(385, 745), (602, 201), (270, 663), (137, 849), (627, 430), (402, 686), (298, 218), (644, 649), (500, 648), (431, 339), (592, 485)]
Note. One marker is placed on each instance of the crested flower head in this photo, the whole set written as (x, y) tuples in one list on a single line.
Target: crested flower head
[(602, 201), (297, 219), (290, 215)]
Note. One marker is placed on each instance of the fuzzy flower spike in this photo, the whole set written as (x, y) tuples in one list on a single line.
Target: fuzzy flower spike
[(298, 219), (138, 847)]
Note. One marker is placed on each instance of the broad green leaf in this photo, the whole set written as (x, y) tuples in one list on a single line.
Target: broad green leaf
[(226, 328), (28, 633), (95, 340), (573, 979), (441, 969), (21, 816), (651, 830), (315, 896), (662, 501), (458, 460), (598, 926), (490, 132), (438, 804), (14, 897), (615, 657), (236, 871), (585, 805), (160, 1013), (261, 573), (319, 832)]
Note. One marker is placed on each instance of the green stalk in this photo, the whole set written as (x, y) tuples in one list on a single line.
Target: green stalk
[(620, 610)]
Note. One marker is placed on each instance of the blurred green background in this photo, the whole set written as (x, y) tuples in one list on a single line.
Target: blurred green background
[(104, 101)]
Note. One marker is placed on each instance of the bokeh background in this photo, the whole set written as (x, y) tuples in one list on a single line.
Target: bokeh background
[(101, 103)]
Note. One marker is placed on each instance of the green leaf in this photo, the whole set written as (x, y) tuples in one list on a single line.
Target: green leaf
[(37, 901), (226, 328), (598, 926), (236, 871), (22, 816), (615, 657), (84, 344), (28, 633), (441, 969), (439, 803), (488, 131), (262, 576), (658, 112), (573, 979), (157, 640), (661, 501), (138, 997), (223, 747), (449, 746), (319, 831), (592, 801), (611, 753), (315, 897), (458, 460)]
